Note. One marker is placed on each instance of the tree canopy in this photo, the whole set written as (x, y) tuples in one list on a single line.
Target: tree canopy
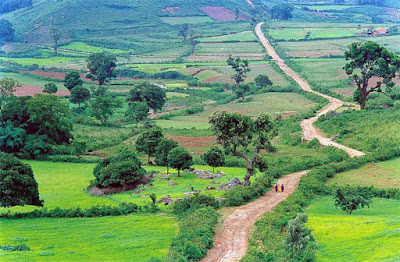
[(137, 111), (153, 95), (350, 198), (101, 67), (103, 105), (50, 88), (162, 151), (6, 30), (79, 95), (282, 11), (368, 60), (148, 141), (179, 158), (119, 170), (241, 68), (214, 157), (263, 81), (18, 186), (7, 88), (238, 132), (72, 79)]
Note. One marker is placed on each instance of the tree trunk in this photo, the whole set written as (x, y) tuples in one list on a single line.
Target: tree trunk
[(246, 179), (167, 170), (363, 101), (179, 173), (137, 124), (148, 159)]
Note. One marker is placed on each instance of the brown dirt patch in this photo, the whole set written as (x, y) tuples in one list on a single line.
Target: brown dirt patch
[(26, 90), (54, 75), (347, 92), (221, 13), (99, 191), (220, 79), (194, 142), (171, 9)]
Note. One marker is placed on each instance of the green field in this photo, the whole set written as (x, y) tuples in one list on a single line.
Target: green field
[(242, 36), (315, 33), (381, 175), (64, 185), (186, 20), (83, 47), (125, 238), (370, 234)]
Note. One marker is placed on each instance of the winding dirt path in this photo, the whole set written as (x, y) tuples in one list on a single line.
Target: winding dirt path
[(230, 244), (309, 130)]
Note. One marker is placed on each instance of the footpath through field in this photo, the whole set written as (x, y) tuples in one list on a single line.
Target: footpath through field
[(230, 243), (309, 130)]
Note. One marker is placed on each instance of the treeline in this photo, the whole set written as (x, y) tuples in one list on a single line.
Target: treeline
[(7, 6)]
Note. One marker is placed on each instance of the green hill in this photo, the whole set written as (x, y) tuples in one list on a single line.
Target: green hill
[(100, 21)]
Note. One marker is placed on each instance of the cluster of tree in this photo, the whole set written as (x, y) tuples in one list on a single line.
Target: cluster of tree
[(120, 170), (370, 60), (6, 30), (371, 2), (241, 68), (239, 134), (101, 67), (350, 199), (18, 186), (32, 125), (187, 32), (281, 11), (166, 151), (7, 6)]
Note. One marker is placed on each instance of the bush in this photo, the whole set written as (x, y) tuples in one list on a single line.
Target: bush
[(10, 248), (193, 203)]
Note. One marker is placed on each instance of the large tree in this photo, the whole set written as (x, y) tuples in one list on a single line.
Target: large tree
[(241, 68), (137, 111), (148, 141), (214, 157), (119, 170), (179, 158), (350, 198), (101, 67), (6, 30), (79, 95), (51, 116), (7, 88), (11, 137), (103, 107), (153, 95), (162, 151), (282, 11), (18, 186), (263, 81), (72, 79), (370, 60), (239, 132), (50, 88)]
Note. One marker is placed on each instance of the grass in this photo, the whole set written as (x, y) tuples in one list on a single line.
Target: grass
[(186, 20), (315, 33), (242, 36), (64, 185), (48, 61), (125, 238), (370, 234), (381, 175), (83, 47)]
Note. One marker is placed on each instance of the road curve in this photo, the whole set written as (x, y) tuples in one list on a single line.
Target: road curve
[(230, 244), (309, 130)]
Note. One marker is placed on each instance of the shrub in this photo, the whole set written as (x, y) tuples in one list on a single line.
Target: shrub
[(193, 203)]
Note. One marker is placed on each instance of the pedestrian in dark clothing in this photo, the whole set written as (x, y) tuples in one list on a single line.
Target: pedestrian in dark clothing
[(283, 188), (276, 188)]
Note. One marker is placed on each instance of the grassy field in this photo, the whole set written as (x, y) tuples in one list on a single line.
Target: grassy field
[(370, 234), (381, 175), (242, 36), (186, 20), (83, 47), (315, 33), (64, 185), (124, 238)]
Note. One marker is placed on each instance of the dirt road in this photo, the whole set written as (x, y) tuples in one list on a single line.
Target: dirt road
[(230, 244), (309, 130)]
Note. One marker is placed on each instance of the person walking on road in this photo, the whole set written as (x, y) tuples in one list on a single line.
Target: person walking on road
[(283, 187), (276, 188)]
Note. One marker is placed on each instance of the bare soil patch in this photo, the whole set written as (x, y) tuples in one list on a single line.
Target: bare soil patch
[(194, 142), (171, 9), (221, 13), (26, 90), (54, 75), (101, 191)]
